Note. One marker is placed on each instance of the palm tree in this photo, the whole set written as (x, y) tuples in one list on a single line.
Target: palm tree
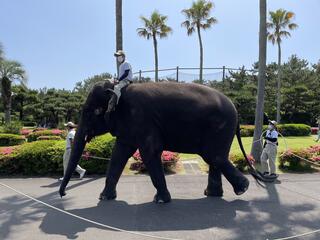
[(258, 122), (10, 71), (119, 41), (153, 27), (280, 20), (198, 17)]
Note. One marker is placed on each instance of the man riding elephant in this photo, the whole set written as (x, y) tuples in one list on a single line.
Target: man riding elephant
[(124, 78)]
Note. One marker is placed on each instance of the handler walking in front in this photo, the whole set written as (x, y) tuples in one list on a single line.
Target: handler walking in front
[(269, 153), (69, 145)]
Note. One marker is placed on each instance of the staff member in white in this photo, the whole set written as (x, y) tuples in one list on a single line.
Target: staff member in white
[(269, 152), (124, 78), (69, 145)]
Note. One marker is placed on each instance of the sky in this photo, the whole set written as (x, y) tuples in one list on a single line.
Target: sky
[(63, 42)]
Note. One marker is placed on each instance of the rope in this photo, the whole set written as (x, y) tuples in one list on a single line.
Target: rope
[(296, 236), (102, 158), (86, 219)]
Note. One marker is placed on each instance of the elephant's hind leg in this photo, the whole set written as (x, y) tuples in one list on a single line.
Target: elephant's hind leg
[(238, 181), (152, 160), (120, 155)]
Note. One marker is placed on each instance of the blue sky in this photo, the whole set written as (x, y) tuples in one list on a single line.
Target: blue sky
[(62, 42)]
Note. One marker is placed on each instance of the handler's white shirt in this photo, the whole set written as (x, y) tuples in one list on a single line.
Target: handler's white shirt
[(272, 134), (70, 137), (122, 68)]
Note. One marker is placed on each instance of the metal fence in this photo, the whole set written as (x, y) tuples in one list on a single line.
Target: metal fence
[(182, 74)]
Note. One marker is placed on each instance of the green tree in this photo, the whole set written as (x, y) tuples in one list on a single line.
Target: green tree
[(153, 28), (10, 72), (256, 148), (86, 85), (280, 21), (197, 18), (1, 53)]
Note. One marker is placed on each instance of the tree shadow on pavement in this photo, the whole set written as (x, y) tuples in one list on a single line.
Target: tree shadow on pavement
[(257, 217)]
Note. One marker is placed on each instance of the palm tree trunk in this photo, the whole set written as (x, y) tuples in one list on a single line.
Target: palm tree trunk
[(279, 84), (258, 122), (7, 110), (155, 45), (201, 54), (119, 43)]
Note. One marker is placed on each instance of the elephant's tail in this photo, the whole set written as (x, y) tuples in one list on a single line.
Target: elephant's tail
[(258, 176)]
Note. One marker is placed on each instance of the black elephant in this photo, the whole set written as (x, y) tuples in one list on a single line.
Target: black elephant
[(153, 117)]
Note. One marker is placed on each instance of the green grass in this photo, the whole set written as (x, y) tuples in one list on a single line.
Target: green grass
[(291, 142)]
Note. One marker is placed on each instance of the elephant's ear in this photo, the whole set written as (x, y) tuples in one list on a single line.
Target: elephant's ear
[(108, 85)]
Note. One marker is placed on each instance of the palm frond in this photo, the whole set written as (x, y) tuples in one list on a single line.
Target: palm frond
[(198, 15), (155, 25), (13, 71)]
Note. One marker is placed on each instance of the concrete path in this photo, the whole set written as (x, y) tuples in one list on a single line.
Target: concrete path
[(289, 207)]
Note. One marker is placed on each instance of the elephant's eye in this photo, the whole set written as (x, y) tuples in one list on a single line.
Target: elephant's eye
[(98, 111)]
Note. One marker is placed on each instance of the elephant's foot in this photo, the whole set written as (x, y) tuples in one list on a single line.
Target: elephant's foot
[(108, 196), (213, 192), (241, 186), (162, 197)]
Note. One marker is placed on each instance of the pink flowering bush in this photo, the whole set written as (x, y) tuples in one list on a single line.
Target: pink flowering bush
[(34, 136), (291, 159), (6, 150), (314, 130), (25, 131), (169, 161)]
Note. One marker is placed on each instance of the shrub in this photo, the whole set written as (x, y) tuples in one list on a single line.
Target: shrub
[(11, 139), (46, 157), (99, 147), (294, 130), (169, 161), (13, 127), (289, 160), (284, 129), (246, 130), (37, 133), (48, 138), (240, 162)]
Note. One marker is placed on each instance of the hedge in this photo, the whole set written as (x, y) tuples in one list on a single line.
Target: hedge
[(37, 133), (46, 157), (11, 139), (284, 129)]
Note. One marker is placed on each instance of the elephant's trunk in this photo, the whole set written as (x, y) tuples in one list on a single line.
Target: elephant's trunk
[(77, 149)]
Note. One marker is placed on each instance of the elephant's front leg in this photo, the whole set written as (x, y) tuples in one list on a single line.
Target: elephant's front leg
[(214, 187), (152, 160), (120, 155)]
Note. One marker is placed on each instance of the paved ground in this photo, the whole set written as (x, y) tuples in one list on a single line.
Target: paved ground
[(289, 207)]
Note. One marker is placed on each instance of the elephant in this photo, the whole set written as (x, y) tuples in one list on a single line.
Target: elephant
[(152, 117)]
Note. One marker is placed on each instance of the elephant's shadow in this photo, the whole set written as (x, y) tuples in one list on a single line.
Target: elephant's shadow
[(180, 214)]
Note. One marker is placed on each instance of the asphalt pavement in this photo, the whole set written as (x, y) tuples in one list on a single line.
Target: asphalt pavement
[(286, 208)]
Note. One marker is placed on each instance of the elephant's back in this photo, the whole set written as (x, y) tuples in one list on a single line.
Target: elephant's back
[(177, 96), (180, 111)]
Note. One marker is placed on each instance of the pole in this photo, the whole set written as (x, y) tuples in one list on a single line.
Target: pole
[(223, 73), (140, 75), (177, 74)]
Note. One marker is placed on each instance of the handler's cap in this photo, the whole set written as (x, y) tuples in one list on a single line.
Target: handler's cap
[(274, 123), (119, 53), (70, 124)]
